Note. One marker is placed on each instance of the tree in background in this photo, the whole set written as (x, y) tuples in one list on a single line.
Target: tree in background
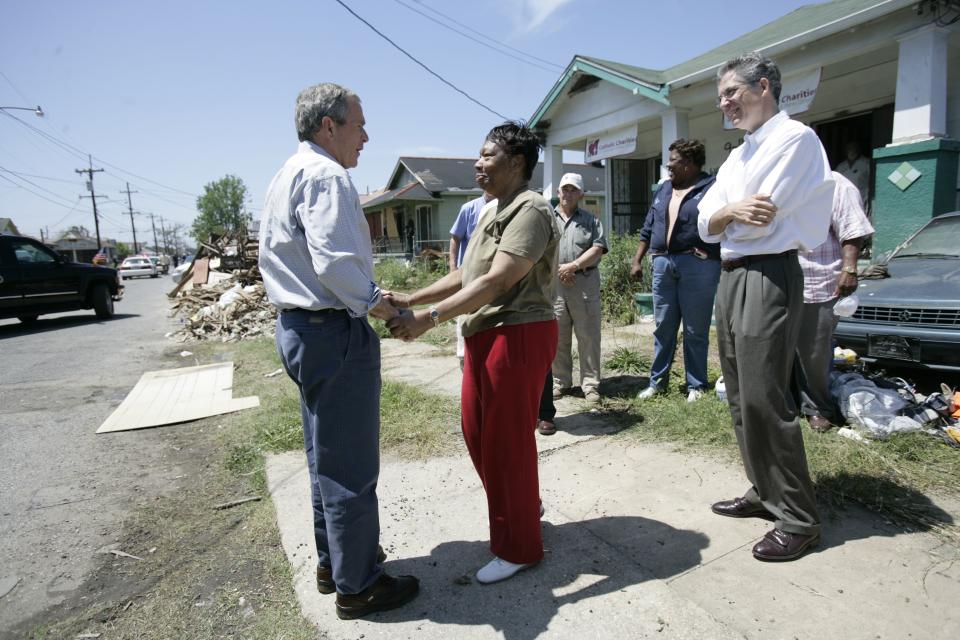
[(221, 208)]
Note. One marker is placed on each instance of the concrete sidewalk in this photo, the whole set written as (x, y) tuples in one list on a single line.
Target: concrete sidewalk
[(632, 549)]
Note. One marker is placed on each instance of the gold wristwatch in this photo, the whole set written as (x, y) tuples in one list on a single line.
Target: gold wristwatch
[(435, 316), (850, 270)]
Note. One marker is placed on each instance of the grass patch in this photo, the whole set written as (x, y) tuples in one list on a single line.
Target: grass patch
[(627, 360), (415, 424)]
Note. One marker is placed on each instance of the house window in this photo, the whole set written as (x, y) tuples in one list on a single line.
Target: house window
[(425, 223)]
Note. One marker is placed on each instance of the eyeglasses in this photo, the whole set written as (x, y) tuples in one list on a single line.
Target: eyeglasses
[(730, 93)]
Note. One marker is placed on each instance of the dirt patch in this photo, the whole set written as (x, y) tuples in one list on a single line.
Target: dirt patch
[(202, 573)]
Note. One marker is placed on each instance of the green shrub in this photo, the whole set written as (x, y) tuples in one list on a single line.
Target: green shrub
[(626, 360), (617, 288)]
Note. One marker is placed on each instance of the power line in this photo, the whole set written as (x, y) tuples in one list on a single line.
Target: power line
[(483, 35), (428, 69), (478, 41), (83, 155), (20, 186), (33, 184), (33, 175)]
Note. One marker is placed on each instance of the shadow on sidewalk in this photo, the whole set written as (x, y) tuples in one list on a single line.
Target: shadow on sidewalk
[(583, 560), (902, 509)]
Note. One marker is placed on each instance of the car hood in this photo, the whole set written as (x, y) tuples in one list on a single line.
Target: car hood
[(94, 268), (915, 282)]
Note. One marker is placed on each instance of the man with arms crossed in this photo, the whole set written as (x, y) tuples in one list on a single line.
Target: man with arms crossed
[(317, 266), (772, 197)]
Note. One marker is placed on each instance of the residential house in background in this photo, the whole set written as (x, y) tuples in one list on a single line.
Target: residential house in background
[(8, 228), (423, 196), (81, 248), (882, 73)]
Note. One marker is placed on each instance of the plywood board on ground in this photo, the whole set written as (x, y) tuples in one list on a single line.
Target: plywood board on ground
[(178, 395)]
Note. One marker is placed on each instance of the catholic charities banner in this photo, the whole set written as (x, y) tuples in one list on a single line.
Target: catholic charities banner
[(797, 93), (613, 144)]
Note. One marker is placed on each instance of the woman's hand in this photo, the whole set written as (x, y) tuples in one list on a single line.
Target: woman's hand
[(399, 300), (409, 325)]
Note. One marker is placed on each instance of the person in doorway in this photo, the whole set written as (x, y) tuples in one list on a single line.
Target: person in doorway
[(317, 267), (685, 270), (772, 197), (829, 273), (856, 169), (505, 288), (577, 305)]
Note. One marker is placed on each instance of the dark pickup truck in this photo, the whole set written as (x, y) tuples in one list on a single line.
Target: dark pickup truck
[(35, 280)]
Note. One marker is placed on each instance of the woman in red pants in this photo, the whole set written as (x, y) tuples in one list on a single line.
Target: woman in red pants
[(505, 290)]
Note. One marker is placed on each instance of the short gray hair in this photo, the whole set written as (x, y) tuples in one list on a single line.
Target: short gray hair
[(321, 100), (751, 67)]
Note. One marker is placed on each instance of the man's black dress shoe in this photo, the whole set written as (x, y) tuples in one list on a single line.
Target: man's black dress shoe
[(740, 508), (386, 593), (325, 583), (778, 546)]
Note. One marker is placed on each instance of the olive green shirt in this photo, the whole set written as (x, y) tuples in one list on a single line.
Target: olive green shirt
[(523, 227)]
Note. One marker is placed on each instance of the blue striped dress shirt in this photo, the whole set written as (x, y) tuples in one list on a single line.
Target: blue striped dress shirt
[(315, 250)]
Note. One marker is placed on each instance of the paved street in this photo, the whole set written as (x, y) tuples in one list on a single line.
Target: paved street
[(64, 490)]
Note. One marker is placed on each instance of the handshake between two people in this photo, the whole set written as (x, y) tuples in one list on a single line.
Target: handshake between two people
[(403, 322)]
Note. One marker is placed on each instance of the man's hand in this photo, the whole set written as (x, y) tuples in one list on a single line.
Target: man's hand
[(384, 310), (756, 210), (847, 284), (399, 300), (567, 273), (636, 271), (408, 325)]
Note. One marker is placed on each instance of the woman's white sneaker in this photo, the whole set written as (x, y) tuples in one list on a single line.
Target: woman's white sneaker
[(648, 393), (499, 569), (694, 395)]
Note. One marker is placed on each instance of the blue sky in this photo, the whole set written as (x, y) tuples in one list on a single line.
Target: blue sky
[(181, 93)]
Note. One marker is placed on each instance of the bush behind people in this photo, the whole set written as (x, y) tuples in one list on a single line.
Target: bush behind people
[(617, 288)]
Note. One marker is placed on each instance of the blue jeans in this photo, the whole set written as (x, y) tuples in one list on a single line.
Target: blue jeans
[(683, 289), (335, 362)]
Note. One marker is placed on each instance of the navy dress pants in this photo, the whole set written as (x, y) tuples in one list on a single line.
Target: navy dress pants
[(335, 362)]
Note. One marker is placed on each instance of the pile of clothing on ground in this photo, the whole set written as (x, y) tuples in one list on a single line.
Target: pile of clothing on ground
[(881, 406)]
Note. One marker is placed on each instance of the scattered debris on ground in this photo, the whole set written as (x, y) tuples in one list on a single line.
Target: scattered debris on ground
[(221, 295)]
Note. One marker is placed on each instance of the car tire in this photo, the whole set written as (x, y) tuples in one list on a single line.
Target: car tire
[(27, 319), (102, 301), (154, 275)]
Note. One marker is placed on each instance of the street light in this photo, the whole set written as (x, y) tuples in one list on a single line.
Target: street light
[(36, 110)]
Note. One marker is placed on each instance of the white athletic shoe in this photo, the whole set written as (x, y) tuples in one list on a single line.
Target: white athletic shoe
[(694, 395), (499, 569), (648, 393)]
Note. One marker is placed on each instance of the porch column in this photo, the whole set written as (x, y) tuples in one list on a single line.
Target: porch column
[(552, 170), (674, 123), (607, 216), (921, 101)]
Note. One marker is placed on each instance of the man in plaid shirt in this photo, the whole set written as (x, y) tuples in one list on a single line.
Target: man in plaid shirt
[(829, 273)]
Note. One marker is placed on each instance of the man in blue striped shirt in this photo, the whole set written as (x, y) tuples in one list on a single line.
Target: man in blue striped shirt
[(317, 265)]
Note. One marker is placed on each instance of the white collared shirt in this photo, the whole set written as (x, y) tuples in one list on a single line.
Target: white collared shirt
[(315, 249), (783, 158)]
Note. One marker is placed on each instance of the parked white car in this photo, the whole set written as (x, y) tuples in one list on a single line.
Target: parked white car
[(137, 267), (177, 272)]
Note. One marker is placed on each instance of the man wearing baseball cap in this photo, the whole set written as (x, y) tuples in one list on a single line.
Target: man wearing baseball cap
[(577, 305)]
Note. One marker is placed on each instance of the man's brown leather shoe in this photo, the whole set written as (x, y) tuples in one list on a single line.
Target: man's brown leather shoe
[(819, 424), (325, 583), (386, 593), (740, 508), (778, 545)]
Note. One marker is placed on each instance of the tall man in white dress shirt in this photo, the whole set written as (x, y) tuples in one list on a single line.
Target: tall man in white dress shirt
[(772, 197), (317, 266)]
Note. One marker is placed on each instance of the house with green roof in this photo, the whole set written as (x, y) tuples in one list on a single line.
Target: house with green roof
[(882, 73)]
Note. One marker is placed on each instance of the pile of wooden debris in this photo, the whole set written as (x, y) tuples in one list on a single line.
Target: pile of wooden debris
[(221, 294)]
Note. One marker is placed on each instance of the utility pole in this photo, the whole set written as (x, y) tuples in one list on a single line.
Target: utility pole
[(93, 196), (163, 234), (133, 227), (154, 232)]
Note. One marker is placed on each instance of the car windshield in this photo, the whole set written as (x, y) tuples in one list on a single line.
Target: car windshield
[(940, 239)]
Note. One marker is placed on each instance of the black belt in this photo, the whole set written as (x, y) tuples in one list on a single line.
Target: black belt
[(671, 253), (588, 269), (736, 263), (315, 312)]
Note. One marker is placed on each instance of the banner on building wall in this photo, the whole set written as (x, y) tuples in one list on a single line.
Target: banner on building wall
[(616, 143), (796, 94)]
